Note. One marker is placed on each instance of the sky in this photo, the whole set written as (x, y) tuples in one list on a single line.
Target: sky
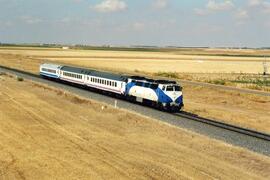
[(212, 23)]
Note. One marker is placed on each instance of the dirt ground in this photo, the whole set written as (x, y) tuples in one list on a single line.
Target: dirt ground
[(251, 111), (46, 133)]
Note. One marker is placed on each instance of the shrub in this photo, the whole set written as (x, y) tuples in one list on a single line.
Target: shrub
[(168, 74), (2, 73), (19, 78), (219, 81)]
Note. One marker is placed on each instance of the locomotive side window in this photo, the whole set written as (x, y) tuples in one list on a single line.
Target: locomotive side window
[(154, 86), (147, 85), (138, 83)]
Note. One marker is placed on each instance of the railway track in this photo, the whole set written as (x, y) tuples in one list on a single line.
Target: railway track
[(226, 126), (251, 139)]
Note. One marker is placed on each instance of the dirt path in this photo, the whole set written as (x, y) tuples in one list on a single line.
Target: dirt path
[(46, 133)]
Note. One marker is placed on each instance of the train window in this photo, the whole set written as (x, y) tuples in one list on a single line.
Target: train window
[(163, 88), (115, 84), (133, 81), (147, 85), (154, 86), (169, 88), (103, 82), (177, 88), (138, 83)]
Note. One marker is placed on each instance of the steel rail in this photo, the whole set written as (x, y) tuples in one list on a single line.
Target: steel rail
[(223, 125)]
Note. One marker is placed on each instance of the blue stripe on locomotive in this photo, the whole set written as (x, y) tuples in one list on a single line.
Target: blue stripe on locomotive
[(179, 100), (49, 75), (128, 87), (162, 97)]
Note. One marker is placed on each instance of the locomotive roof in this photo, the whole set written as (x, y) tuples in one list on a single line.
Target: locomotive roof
[(139, 78), (91, 72)]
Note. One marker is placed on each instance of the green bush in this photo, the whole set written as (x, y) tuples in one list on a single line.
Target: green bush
[(168, 74), (219, 82), (19, 78)]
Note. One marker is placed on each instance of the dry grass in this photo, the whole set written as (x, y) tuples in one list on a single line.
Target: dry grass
[(251, 111), (232, 108), (149, 61), (51, 134)]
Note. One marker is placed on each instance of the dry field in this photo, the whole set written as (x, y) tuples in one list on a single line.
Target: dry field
[(235, 108), (150, 62), (233, 67), (46, 133)]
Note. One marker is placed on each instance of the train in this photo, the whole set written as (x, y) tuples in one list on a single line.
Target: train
[(161, 94)]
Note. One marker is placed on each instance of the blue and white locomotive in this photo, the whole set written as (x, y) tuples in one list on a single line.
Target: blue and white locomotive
[(158, 93)]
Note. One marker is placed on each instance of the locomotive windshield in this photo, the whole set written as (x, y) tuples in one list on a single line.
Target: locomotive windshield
[(173, 88), (169, 88), (177, 88)]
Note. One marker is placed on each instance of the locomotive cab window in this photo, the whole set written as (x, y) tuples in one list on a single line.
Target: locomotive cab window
[(177, 88), (169, 88)]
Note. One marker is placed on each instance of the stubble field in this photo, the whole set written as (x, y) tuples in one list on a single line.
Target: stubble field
[(251, 111), (46, 133), (152, 62)]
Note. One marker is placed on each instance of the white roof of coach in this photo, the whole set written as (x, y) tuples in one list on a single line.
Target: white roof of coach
[(52, 66)]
